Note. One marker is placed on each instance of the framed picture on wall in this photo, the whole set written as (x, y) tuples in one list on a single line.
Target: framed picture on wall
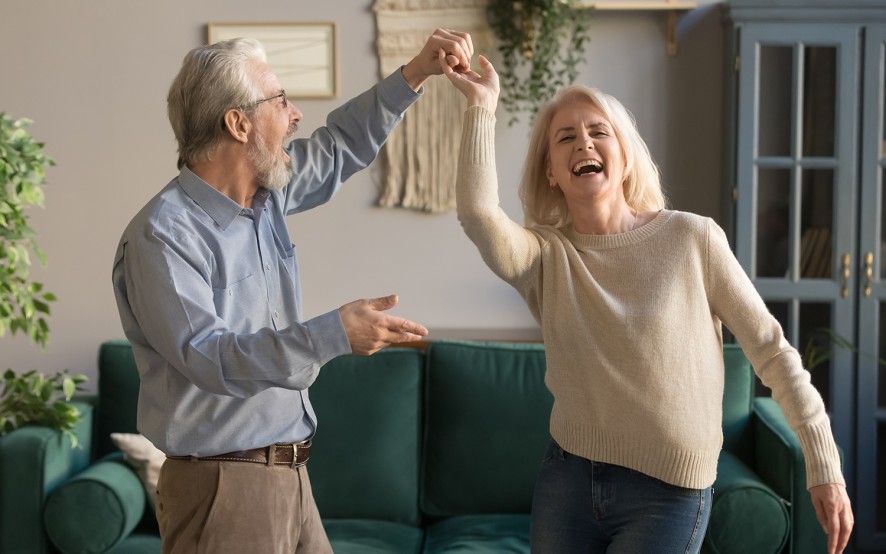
[(302, 55)]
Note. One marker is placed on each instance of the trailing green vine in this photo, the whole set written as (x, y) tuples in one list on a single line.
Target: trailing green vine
[(542, 43)]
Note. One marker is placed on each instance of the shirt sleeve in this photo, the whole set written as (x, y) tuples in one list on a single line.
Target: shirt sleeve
[(351, 139), (509, 249), (737, 303), (165, 300)]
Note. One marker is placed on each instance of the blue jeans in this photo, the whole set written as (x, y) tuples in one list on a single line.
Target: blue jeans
[(582, 506)]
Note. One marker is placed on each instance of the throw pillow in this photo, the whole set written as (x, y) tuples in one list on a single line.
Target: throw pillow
[(145, 458), (94, 510)]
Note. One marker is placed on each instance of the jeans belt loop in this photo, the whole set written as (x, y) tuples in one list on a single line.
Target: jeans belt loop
[(272, 454)]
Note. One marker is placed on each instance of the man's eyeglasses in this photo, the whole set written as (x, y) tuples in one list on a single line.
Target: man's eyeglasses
[(281, 95)]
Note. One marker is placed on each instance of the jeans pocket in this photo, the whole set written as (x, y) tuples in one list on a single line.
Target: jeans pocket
[(553, 451), (675, 490)]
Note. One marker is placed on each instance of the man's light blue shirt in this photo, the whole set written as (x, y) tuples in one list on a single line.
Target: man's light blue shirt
[(209, 295)]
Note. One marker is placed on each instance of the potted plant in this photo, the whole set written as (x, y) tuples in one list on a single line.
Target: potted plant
[(541, 43), (29, 398), (820, 346)]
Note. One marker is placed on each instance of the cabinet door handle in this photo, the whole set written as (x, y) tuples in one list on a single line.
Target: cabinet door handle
[(847, 272), (868, 272)]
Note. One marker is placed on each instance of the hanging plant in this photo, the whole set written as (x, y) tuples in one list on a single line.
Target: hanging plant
[(541, 43)]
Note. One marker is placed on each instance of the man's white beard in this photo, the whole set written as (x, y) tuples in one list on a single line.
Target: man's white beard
[(273, 172)]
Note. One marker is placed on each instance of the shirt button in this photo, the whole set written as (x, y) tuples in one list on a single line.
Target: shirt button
[(276, 315), (230, 292), (268, 267)]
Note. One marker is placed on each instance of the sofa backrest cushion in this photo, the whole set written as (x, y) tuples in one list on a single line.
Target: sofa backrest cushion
[(485, 428), (365, 456), (738, 397), (118, 383)]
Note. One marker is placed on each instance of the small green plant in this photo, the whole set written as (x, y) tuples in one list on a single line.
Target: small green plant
[(541, 43), (30, 398), (820, 345), (34, 399), (23, 304)]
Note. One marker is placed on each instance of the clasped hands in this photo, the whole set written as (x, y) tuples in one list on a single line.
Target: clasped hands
[(449, 53)]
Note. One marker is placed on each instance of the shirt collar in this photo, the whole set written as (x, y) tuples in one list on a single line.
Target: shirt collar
[(219, 207)]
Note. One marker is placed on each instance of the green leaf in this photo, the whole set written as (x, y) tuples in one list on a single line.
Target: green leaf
[(69, 388)]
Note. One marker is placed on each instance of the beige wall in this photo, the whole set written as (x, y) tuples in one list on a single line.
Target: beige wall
[(93, 75)]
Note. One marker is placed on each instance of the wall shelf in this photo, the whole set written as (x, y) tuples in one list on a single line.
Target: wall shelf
[(671, 6)]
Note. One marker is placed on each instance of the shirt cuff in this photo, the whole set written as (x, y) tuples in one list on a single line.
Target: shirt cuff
[(395, 92), (328, 336)]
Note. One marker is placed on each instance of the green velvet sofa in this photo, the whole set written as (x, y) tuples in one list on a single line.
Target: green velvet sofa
[(419, 450)]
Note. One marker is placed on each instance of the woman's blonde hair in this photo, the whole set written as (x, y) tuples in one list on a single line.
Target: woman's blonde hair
[(546, 205)]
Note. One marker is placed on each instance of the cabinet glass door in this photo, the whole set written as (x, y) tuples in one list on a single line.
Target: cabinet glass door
[(796, 176), (795, 161), (871, 496)]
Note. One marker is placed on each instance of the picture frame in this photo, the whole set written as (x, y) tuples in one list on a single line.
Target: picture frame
[(304, 56)]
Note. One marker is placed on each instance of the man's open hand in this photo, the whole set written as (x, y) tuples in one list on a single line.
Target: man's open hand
[(369, 329)]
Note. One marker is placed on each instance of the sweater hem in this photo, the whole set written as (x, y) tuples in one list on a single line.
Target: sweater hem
[(682, 468)]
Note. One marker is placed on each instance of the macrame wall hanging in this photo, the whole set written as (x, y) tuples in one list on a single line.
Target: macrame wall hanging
[(421, 155)]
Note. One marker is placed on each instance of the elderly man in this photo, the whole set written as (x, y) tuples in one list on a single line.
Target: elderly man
[(207, 286)]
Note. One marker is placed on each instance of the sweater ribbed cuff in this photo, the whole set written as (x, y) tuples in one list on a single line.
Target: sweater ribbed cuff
[(478, 136), (822, 456)]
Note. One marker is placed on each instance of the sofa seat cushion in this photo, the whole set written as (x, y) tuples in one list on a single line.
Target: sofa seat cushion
[(746, 516), (367, 536), (139, 543), (96, 509), (479, 534)]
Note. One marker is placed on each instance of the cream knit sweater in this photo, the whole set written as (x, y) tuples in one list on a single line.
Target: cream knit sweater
[(632, 330)]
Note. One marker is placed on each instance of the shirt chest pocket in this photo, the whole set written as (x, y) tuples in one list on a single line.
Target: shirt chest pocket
[(236, 302), (289, 260)]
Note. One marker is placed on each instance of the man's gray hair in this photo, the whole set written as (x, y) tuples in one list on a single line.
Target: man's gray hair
[(212, 80)]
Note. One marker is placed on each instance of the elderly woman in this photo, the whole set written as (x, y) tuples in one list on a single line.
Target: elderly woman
[(630, 297)]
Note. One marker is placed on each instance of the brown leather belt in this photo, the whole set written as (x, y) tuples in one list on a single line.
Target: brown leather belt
[(281, 454)]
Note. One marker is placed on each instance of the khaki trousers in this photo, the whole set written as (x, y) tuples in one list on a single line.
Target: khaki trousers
[(236, 507)]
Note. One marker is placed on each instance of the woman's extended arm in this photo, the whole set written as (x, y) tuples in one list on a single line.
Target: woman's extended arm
[(507, 248)]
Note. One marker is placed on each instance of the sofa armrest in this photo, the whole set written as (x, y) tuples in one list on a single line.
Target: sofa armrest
[(742, 501), (97, 509), (779, 461), (34, 460)]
